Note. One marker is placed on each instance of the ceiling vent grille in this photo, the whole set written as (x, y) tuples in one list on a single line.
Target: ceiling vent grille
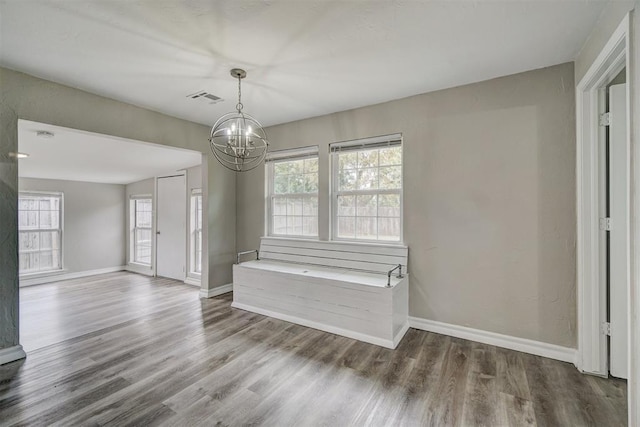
[(207, 97)]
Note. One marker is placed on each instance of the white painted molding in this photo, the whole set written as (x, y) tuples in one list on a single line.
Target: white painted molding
[(209, 293), (591, 299), (552, 351), (11, 354), (633, 74), (56, 277), (192, 281), (326, 328)]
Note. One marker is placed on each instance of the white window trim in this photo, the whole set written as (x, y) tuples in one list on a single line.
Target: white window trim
[(357, 144), (192, 273), (42, 273), (282, 156), (133, 227)]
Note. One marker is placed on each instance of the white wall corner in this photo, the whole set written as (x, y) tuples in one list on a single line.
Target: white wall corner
[(209, 293), (538, 348), (11, 354)]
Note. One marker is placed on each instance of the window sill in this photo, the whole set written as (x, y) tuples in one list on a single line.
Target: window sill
[(43, 273), (139, 264), (382, 243), (288, 237), (377, 243)]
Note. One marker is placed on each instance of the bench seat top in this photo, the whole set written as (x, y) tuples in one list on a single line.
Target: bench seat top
[(343, 275)]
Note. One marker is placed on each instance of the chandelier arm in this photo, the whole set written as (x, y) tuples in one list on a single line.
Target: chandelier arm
[(233, 165), (257, 156), (221, 135)]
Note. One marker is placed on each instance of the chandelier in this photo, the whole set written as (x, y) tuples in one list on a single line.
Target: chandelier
[(237, 140)]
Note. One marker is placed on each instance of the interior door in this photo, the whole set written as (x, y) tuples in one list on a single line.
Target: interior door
[(171, 232), (619, 233)]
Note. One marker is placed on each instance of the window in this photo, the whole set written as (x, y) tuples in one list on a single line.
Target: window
[(292, 208), (40, 232), (367, 189), (142, 221), (196, 231)]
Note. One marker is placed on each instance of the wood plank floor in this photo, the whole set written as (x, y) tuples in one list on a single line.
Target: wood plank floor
[(124, 349)]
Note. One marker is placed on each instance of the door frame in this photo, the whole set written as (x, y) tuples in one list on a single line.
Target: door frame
[(592, 354)]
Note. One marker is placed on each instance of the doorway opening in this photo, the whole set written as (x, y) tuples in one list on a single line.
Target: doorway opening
[(603, 212), (88, 207)]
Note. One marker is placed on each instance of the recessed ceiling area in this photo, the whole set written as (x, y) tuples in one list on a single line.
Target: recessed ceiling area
[(76, 155), (303, 58)]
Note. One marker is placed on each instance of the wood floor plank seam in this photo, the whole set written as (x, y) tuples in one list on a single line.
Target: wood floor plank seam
[(128, 349)]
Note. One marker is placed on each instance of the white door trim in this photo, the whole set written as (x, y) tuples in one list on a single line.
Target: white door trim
[(592, 348)]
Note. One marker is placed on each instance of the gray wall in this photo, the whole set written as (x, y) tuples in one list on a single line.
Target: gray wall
[(194, 178), (94, 221), (27, 97), (489, 199)]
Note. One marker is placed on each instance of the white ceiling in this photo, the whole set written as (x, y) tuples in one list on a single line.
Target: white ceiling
[(304, 58), (83, 156)]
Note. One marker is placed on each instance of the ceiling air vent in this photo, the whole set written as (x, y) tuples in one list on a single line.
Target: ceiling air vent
[(207, 97)]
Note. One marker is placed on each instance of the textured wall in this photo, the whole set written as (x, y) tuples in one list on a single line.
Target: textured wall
[(93, 221), (489, 199), (26, 97)]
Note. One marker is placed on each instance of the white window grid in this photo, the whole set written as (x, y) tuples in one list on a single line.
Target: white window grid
[(196, 231), (378, 215), (142, 230), (293, 213), (40, 232)]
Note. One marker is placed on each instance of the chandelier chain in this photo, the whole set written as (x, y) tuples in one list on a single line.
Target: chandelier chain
[(239, 104)]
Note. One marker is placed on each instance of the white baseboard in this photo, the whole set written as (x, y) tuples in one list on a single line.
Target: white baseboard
[(192, 281), (11, 354), (204, 293), (524, 345), (324, 327), (56, 277)]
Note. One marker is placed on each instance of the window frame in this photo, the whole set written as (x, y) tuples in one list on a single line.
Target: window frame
[(280, 156), (356, 146), (134, 227), (195, 194), (60, 230)]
